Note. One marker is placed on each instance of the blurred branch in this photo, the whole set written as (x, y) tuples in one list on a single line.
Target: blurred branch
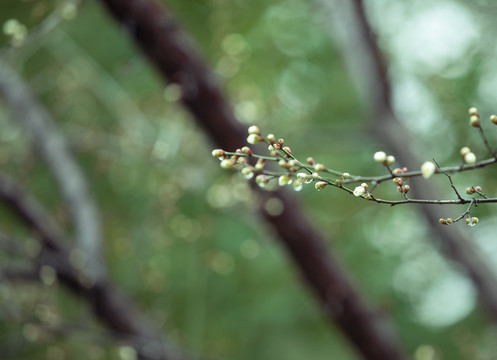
[(111, 307), (173, 54), (386, 126), (69, 177)]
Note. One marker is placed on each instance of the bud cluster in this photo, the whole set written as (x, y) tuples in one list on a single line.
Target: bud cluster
[(291, 171)]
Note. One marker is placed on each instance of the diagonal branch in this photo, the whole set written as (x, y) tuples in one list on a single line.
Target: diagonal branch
[(69, 177), (173, 54), (387, 127), (111, 307)]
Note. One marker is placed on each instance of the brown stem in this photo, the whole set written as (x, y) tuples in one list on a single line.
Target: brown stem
[(172, 53)]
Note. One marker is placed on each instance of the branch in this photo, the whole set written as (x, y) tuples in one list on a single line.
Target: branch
[(108, 305), (454, 244), (172, 53), (69, 177)]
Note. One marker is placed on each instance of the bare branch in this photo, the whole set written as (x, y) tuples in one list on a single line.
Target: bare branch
[(111, 307), (69, 177), (172, 53), (386, 126)]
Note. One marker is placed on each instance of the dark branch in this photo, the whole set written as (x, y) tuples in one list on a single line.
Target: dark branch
[(172, 53)]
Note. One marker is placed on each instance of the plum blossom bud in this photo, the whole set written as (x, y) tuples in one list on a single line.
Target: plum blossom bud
[(248, 172), (261, 180), (319, 167), (359, 191), (380, 156), (449, 221), (474, 121), (397, 171), (398, 181), (464, 151), (259, 165), (287, 149), (253, 139), (470, 190), (442, 221), (406, 189), (284, 180), (478, 188), (292, 163), (254, 130), (218, 153), (302, 176), (310, 161), (493, 119), (320, 185), (271, 138), (315, 175), (246, 150), (281, 141), (297, 185), (390, 160), (283, 163), (428, 169), (242, 161), (472, 221), (270, 147), (473, 111), (226, 164), (470, 158), (365, 186)]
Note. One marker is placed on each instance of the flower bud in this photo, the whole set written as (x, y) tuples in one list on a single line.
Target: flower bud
[(428, 169), (464, 151), (297, 185), (449, 221), (397, 181), (218, 153), (365, 186), (478, 188), (248, 172), (270, 147), (359, 191), (246, 150), (287, 149), (397, 171), (406, 189), (470, 190), (473, 111), (474, 121), (346, 175), (259, 165), (380, 156), (254, 130), (302, 176), (315, 175), (470, 158), (283, 163), (226, 164), (271, 138), (493, 119), (390, 160), (253, 139), (261, 180), (319, 167), (284, 180), (320, 185), (310, 161), (442, 221), (292, 162)]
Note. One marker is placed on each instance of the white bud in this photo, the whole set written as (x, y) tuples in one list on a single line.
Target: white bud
[(359, 191), (428, 169), (380, 156), (470, 158)]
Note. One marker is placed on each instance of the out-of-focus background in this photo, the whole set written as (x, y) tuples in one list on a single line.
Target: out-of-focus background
[(181, 236)]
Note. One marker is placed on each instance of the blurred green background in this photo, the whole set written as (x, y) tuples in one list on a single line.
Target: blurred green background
[(181, 236)]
